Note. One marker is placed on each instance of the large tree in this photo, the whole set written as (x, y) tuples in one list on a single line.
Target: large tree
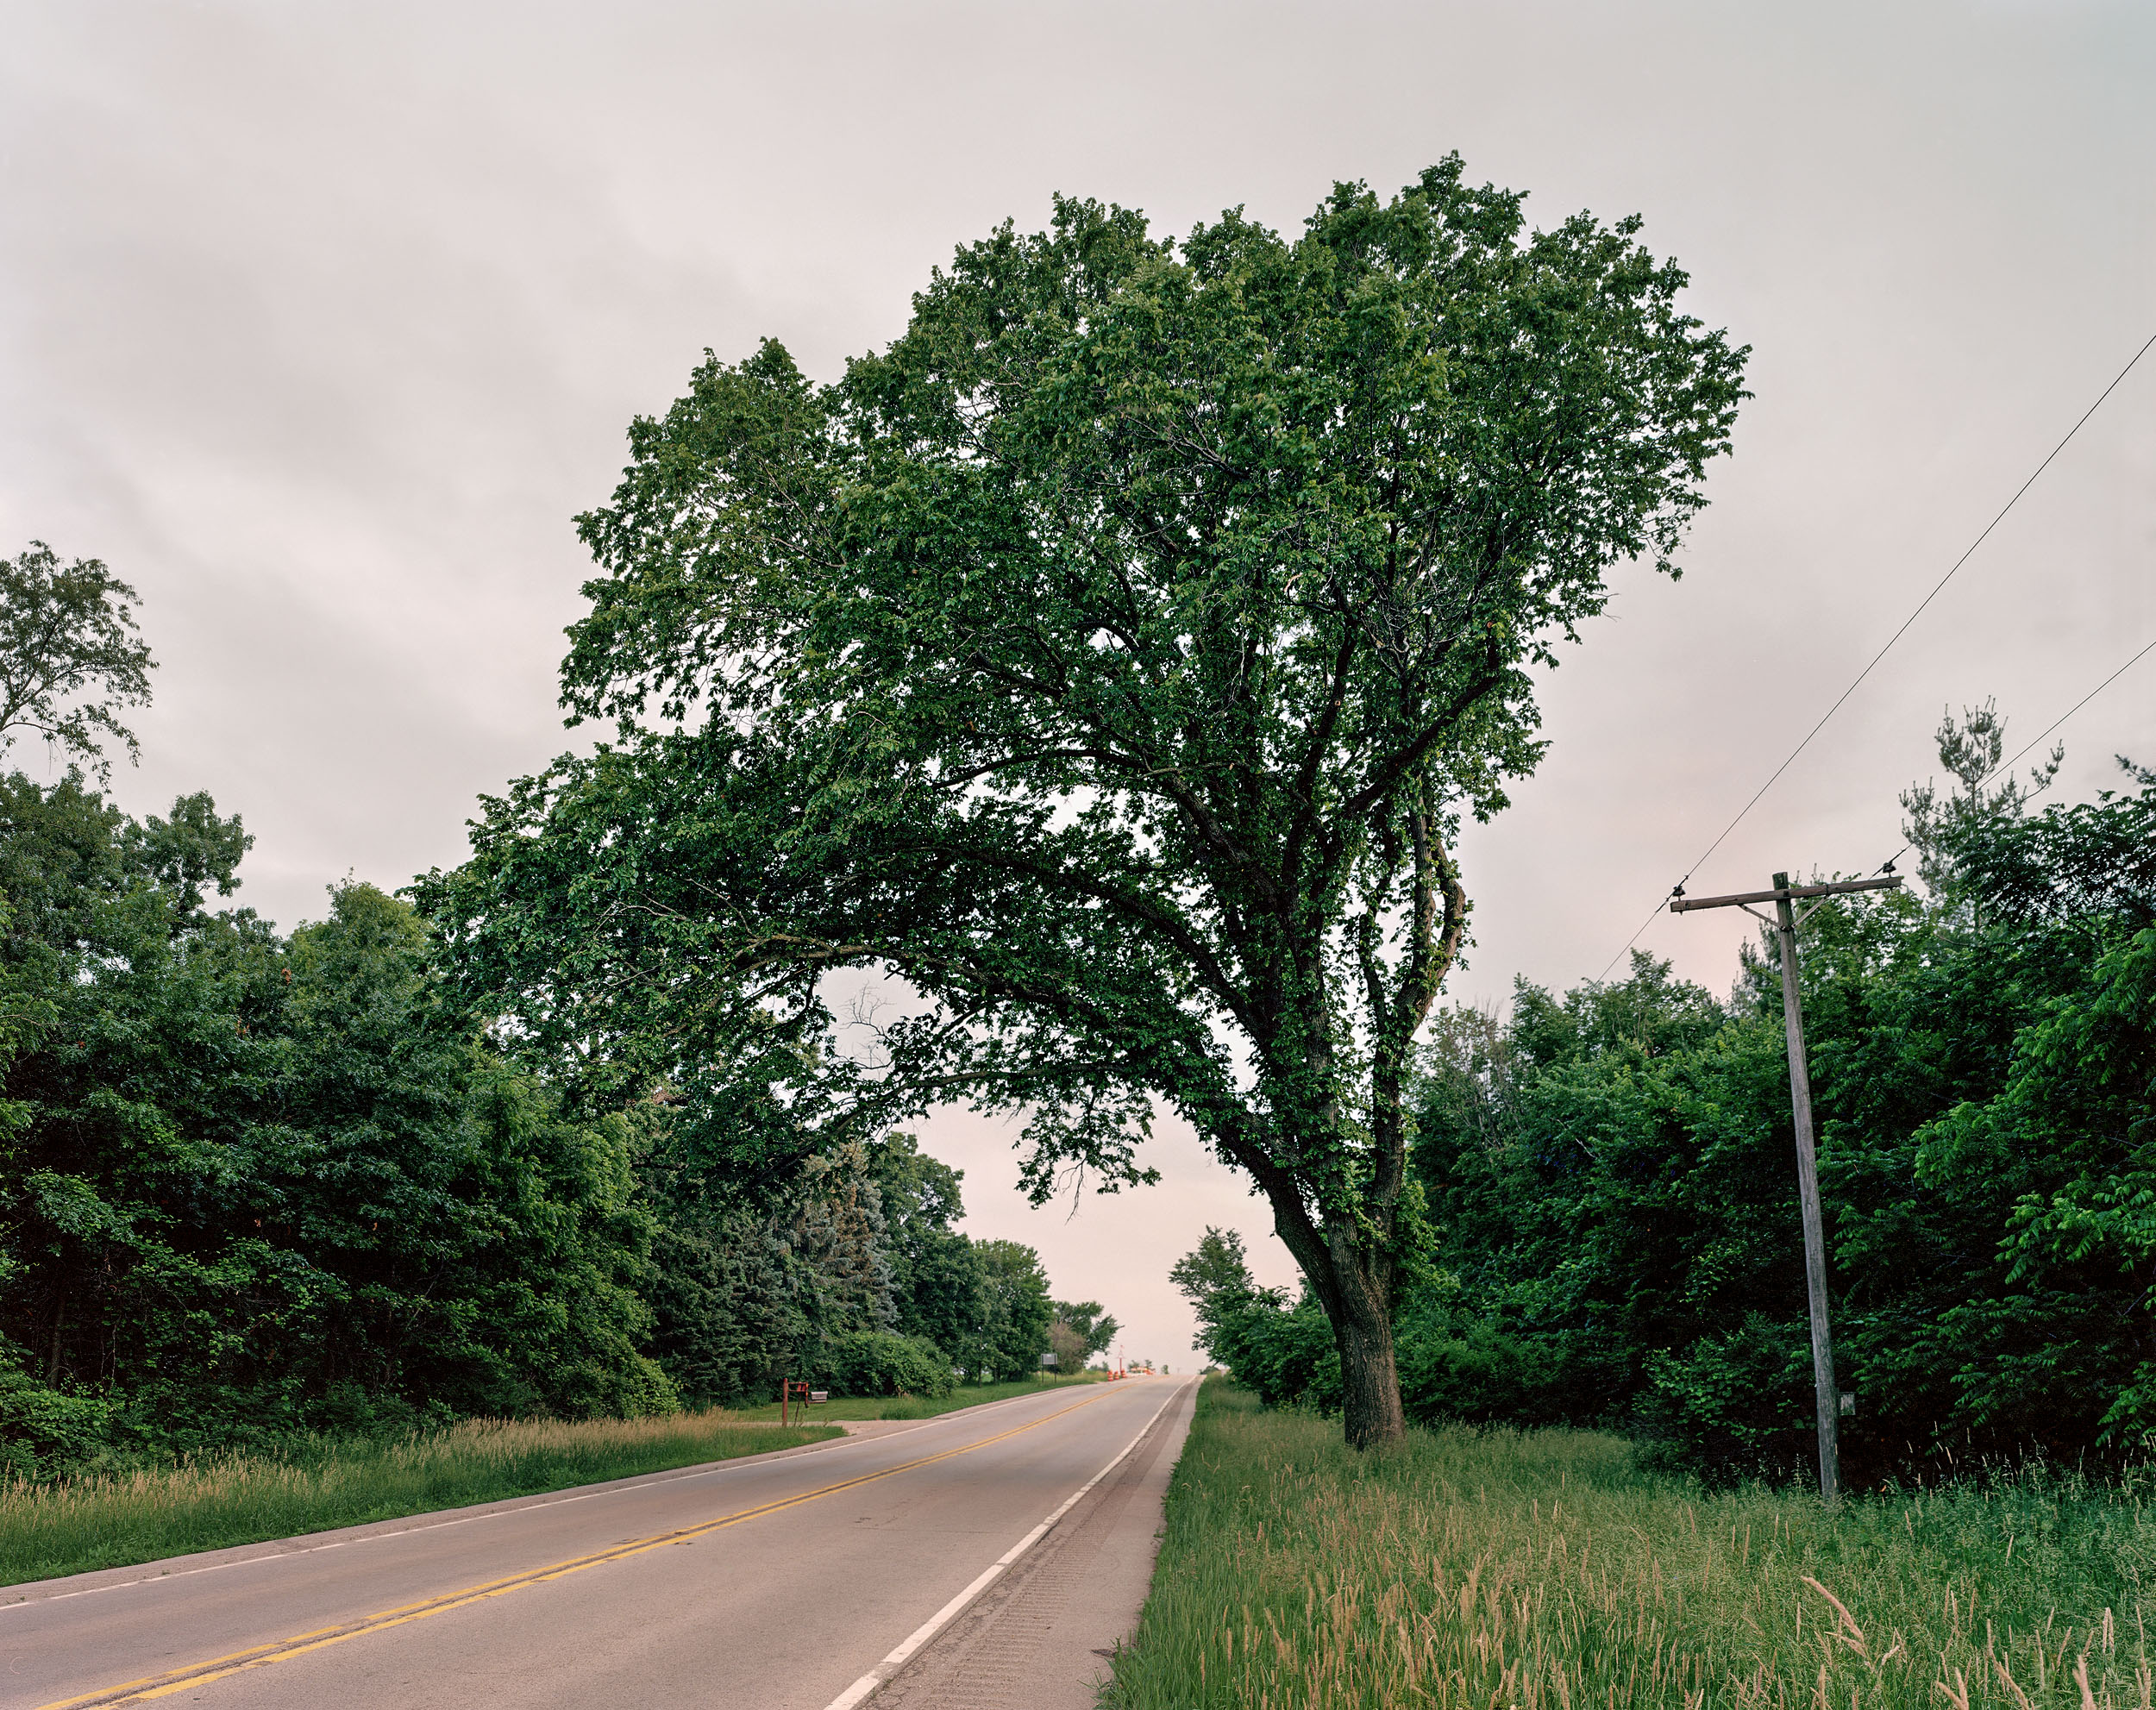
[(1112, 660)]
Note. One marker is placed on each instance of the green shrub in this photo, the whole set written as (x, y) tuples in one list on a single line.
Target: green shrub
[(1453, 1366), (1287, 1356), (876, 1362), (44, 1432), (1735, 1405)]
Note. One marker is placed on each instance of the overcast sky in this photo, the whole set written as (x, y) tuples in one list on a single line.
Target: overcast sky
[(319, 324)]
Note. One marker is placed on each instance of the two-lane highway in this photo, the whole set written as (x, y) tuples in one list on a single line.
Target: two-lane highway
[(779, 1583)]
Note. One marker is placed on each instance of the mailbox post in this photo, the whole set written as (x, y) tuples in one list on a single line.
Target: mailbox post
[(790, 1390)]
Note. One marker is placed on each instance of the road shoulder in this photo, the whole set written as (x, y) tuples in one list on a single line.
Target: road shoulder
[(1040, 1637)]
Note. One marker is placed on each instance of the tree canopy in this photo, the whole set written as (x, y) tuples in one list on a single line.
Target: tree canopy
[(70, 658), (252, 1183), (1093, 1326), (1112, 660)]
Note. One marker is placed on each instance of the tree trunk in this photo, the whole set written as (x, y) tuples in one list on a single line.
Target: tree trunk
[(1370, 1376), (59, 1318), (1355, 1288)]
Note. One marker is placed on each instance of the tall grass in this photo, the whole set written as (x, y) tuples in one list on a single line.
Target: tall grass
[(311, 1484), (1542, 1569)]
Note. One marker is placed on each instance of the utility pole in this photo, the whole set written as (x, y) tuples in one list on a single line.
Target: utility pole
[(1785, 922)]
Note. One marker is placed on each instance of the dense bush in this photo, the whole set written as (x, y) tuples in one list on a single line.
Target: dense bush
[(45, 1432), (1287, 1355), (876, 1362)]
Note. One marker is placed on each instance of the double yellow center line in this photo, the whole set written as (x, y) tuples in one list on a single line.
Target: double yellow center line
[(300, 1644)]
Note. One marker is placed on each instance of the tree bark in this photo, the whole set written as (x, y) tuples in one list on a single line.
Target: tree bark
[(1369, 1375), (59, 1318), (1353, 1286)]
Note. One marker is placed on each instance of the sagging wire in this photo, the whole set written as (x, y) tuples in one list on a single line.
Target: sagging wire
[(1677, 889)]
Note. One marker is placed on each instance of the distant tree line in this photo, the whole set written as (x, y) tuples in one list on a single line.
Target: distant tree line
[(1610, 1183), (255, 1182)]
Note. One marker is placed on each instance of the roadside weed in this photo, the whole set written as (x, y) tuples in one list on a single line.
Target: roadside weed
[(1541, 1570)]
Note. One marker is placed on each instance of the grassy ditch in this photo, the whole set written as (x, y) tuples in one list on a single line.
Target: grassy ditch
[(1542, 1571), (316, 1483), (920, 1406)]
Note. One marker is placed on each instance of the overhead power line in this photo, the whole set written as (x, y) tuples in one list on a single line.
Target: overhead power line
[(1872, 664)]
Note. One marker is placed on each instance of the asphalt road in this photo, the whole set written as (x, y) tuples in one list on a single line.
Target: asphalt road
[(779, 1583)]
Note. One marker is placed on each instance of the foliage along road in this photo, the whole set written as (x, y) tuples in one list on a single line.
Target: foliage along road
[(782, 1583)]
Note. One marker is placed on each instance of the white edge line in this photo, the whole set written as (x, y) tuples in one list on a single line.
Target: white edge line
[(512, 1505), (942, 1618)]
